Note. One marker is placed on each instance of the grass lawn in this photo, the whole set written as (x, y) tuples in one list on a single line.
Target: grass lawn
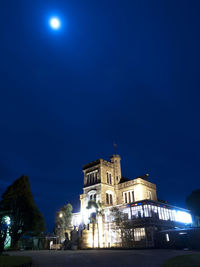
[(14, 261), (192, 260)]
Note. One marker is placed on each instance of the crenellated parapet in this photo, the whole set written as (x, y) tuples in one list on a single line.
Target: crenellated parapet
[(136, 182)]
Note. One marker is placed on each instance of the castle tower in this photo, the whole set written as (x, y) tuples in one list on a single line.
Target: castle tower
[(115, 160)]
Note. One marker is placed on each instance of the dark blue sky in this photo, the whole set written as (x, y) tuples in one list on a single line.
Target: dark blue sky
[(123, 71)]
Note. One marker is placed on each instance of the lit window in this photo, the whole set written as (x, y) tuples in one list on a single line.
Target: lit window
[(167, 237), (146, 211), (139, 234)]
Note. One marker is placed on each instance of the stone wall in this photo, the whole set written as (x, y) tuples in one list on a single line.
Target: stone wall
[(140, 188)]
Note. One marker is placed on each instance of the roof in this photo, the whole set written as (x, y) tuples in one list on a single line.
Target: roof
[(91, 164), (144, 177), (123, 180)]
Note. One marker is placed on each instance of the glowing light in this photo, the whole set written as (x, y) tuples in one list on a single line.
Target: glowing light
[(84, 215), (92, 210), (7, 241), (7, 220), (100, 234), (167, 237), (92, 236), (76, 219), (55, 23), (61, 215), (184, 217)]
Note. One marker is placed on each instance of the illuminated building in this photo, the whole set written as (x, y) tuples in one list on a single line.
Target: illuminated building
[(135, 199)]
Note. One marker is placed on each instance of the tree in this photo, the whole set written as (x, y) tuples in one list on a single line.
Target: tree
[(63, 221), (193, 202), (120, 223), (94, 217), (18, 204)]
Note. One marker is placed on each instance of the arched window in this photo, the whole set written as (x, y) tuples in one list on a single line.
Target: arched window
[(92, 195), (109, 197)]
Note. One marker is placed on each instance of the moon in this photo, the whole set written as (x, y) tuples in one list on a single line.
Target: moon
[(55, 23)]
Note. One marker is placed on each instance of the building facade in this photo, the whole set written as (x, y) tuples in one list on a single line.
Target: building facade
[(135, 199)]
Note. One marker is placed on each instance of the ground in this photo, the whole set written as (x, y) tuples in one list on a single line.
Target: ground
[(99, 258), (192, 260), (14, 260)]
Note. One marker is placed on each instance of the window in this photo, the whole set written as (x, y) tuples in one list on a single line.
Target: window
[(109, 199), (139, 234), (167, 237), (109, 178), (149, 195), (129, 196), (137, 212), (125, 194), (133, 197), (146, 211), (91, 178), (87, 180), (95, 177), (92, 195)]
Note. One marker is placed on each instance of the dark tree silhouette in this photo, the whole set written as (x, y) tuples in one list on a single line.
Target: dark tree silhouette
[(193, 202), (18, 203)]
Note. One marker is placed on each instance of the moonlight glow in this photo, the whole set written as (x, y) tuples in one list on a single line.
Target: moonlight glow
[(55, 23)]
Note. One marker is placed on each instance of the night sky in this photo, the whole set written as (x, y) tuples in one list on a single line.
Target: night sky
[(116, 71)]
